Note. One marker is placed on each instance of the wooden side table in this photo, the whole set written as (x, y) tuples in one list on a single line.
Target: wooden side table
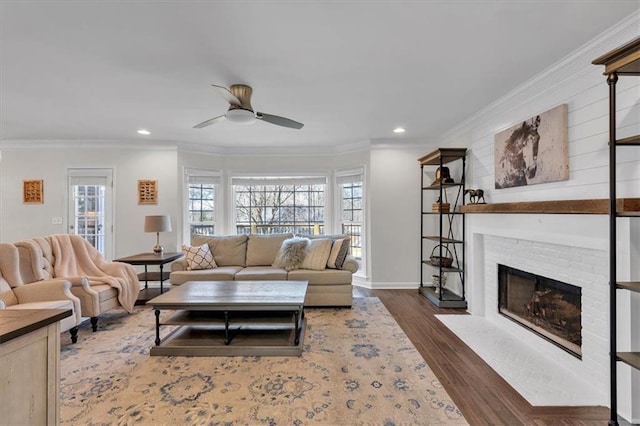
[(147, 259)]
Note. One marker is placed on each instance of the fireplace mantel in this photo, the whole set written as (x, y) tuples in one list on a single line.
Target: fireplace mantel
[(625, 207)]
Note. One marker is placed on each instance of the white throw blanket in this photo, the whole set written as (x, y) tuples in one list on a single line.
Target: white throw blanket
[(75, 256)]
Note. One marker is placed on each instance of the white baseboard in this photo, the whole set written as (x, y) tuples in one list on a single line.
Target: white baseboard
[(387, 285), (357, 281)]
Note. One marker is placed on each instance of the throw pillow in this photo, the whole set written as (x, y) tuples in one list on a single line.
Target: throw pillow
[(291, 253), (199, 257), (318, 251), (339, 251)]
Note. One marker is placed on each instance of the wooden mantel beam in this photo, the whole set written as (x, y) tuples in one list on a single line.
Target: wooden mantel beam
[(626, 207)]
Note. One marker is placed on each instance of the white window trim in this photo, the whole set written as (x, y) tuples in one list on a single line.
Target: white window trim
[(342, 176), (213, 176)]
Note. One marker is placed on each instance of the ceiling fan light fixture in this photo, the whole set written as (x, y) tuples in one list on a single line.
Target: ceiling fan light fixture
[(241, 116)]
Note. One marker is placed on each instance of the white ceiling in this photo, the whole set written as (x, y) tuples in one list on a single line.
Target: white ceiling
[(350, 71)]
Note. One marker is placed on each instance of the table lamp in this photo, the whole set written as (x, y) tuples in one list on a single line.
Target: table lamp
[(157, 224)]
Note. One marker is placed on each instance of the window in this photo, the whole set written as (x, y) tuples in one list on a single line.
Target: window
[(275, 205), (350, 189), (201, 201)]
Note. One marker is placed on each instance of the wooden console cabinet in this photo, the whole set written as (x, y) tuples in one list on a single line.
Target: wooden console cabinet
[(30, 366)]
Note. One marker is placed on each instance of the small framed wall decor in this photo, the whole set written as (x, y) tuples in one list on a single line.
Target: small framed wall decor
[(147, 192), (32, 192)]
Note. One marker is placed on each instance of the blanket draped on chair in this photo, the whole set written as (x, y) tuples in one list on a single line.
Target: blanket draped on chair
[(75, 256)]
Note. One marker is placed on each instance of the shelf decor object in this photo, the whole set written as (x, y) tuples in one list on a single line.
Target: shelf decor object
[(157, 224), (442, 251), (32, 192), (147, 191), (623, 61)]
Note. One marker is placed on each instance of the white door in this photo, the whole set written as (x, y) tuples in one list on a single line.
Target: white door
[(90, 207)]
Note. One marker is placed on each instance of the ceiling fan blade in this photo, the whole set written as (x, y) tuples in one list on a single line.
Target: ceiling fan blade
[(277, 120), (209, 122), (226, 94)]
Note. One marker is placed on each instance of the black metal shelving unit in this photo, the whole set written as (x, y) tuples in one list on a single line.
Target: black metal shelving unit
[(449, 242), (623, 61)]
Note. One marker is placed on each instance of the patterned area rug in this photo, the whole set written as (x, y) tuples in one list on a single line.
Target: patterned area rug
[(358, 367)]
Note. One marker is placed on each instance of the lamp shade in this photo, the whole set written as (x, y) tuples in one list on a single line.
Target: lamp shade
[(157, 224)]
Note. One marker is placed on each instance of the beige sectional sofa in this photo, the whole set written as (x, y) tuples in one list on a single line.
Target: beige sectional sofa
[(250, 258)]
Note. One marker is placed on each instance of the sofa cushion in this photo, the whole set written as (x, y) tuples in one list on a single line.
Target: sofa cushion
[(339, 251), (262, 249), (267, 273), (199, 257), (227, 251), (291, 253), (326, 277), (318, 251), (221, 273)]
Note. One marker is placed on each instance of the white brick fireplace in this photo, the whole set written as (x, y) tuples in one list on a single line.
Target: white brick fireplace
[(567, 248), (583, 267)]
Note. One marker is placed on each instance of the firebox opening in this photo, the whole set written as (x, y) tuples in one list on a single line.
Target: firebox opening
[(552, 309)]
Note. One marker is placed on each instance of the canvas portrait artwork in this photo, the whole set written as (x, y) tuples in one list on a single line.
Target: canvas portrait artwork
[(534, 151)]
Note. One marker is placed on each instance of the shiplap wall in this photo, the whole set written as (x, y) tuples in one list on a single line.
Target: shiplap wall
[(581, 85)]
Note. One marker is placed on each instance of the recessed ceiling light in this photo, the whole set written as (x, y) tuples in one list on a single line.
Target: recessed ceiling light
[(399, 130), (144, 132)]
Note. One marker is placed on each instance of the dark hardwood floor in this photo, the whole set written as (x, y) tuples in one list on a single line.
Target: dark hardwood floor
[(480, 393)]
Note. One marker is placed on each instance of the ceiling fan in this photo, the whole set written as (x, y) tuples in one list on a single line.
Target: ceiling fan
[(241, 111)]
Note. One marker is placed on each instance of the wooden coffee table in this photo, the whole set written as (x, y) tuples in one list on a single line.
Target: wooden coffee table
[(232, 318)]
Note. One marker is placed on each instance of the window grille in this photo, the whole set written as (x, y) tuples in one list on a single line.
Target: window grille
[(280, 204)]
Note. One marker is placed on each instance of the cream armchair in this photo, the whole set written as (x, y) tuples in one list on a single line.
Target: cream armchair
[(96, 287), (15, 293)]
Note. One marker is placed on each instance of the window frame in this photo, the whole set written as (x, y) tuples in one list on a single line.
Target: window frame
[(212, 177), (288, 180), (343, 177)]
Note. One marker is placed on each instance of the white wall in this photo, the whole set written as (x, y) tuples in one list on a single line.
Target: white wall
[(395, 216), (50, 162), (581, 85), (392, 193)]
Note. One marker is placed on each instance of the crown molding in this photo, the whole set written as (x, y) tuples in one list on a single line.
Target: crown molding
[(280, 151), (405, 143), (15, 144)]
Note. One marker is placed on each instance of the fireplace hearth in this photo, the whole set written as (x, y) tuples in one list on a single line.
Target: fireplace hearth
[(550, 308)]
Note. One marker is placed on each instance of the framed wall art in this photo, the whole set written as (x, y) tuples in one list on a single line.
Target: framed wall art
[(33, 191), (534, 151), (147, 192)]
